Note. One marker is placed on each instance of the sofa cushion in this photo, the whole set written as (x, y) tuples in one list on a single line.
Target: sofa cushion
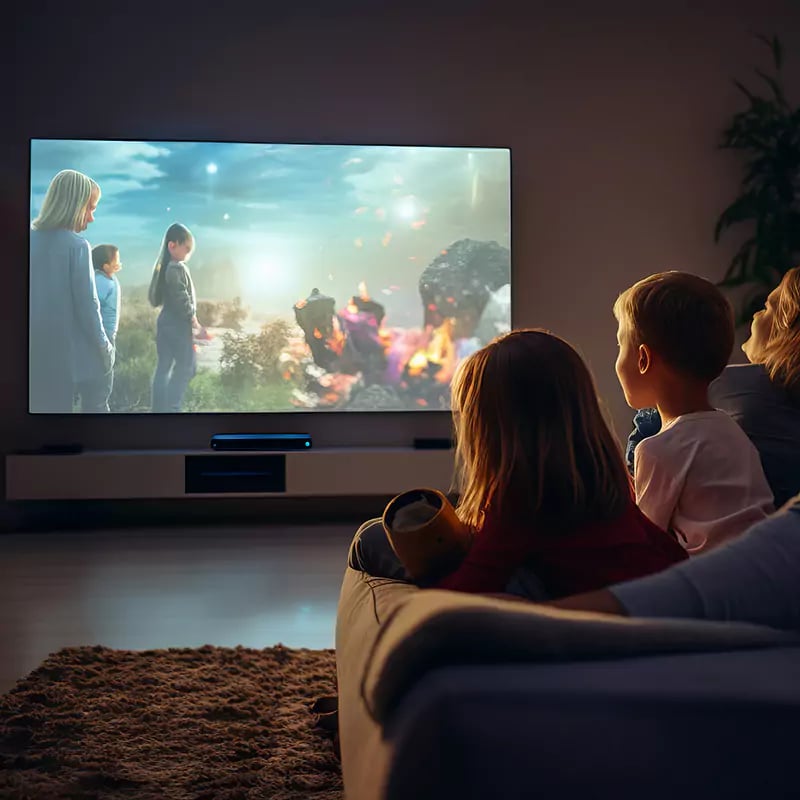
[(676, 726)]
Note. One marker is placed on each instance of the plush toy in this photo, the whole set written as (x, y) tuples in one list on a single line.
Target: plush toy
[(426, 534)]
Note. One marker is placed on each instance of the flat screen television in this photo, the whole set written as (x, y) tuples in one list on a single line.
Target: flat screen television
[(216, 277)]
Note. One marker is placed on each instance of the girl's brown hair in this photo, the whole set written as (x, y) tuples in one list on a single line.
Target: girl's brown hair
[(175, 233), (531, 439), (781, 356)]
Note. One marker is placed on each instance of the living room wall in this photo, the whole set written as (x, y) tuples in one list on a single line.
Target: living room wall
[(612, 112)]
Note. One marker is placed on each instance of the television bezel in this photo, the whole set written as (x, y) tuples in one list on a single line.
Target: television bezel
[(302, 416)]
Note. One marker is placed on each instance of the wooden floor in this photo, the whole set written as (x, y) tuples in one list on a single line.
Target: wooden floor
[(176, 587)]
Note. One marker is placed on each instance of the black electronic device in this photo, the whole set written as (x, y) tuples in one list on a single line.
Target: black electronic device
[(433, 443), (261, 442)]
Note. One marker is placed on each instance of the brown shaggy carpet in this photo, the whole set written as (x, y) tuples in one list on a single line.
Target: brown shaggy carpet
[(207, 724)]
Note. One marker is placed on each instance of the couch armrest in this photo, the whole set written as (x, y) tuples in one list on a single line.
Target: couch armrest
[(435, 629)]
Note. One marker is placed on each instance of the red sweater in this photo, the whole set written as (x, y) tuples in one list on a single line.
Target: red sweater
[(594, 556)]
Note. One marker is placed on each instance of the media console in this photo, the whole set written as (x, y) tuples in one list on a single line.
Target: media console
[(154, 474)]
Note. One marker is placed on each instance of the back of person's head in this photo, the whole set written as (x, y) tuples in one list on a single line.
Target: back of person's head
[(66, 200), (781, 356), (530, 435), (103, 254), (682, 318), (177, 234)]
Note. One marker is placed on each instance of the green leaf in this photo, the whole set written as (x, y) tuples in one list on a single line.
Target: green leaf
[(745, 91), (767, 134), (777, 52), (765, 39), (758, 172), (775, 86), (737, 274), (763, 270), (733, 282), (741, 209)]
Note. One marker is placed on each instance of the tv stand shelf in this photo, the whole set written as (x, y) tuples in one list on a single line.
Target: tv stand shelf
[(152, 474)]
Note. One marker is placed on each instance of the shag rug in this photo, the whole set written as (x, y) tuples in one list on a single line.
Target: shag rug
[(207, 724)]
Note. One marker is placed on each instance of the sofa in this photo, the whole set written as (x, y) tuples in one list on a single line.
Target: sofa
[(446, 695)]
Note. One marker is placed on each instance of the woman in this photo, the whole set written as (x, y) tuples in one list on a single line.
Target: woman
[(764, 395), (755, 578), (67, 341)]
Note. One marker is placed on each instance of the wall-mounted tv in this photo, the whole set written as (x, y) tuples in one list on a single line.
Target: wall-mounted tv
[(232, 277)]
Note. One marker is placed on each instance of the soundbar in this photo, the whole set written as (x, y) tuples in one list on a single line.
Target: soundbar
[(260, 442)]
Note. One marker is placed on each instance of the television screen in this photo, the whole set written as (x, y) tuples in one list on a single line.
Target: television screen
[(218, 277)]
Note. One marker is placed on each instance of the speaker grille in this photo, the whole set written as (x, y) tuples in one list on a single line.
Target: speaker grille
[(239, 474)]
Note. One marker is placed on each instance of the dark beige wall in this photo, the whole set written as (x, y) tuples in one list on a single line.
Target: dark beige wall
[(612, 110)]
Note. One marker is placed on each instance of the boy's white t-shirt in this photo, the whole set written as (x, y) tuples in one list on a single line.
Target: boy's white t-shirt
[(701, 477)]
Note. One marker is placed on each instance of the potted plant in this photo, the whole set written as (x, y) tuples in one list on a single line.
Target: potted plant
[(767, 133)]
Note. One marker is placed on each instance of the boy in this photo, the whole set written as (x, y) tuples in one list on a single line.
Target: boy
[(700, 477), (105, 259)]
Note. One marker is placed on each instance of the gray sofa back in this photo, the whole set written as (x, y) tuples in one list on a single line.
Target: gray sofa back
[(435, 629), (392, 639)]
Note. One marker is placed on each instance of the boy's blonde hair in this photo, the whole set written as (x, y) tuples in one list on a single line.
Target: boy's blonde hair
[(531, 439), (683, 318), (66, 200), (781, 356)]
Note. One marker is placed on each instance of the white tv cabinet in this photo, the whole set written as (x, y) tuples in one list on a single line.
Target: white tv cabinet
[(154, 474)]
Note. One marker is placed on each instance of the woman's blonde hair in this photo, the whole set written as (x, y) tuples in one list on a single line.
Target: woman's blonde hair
[(66, 200), (781, 355), (531, 439)]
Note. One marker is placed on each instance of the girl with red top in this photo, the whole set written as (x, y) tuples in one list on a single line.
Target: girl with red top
[(541, 478)]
